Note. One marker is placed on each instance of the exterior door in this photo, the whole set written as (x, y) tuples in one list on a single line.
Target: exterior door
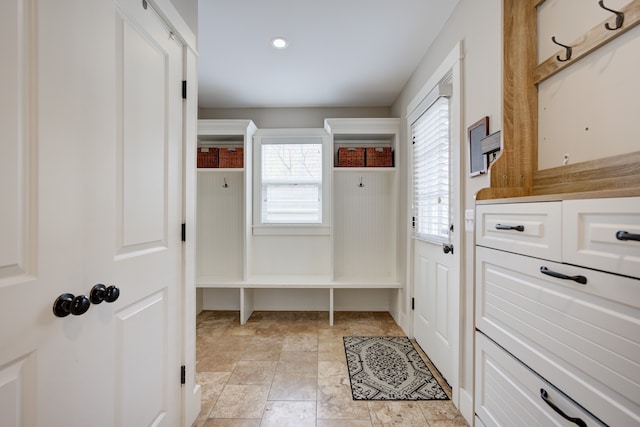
[(435, 244), (90, 172)]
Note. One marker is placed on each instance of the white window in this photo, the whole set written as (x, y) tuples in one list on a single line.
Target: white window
[(291, 183), (431, 199)]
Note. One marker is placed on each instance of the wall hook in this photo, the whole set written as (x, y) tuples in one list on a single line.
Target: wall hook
[(225, 185), (567, 48), (619, 17), (361, 184)]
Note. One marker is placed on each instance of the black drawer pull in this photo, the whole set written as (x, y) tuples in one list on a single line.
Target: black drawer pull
[(509, 227), (580, 279), (623, 235), (545, 397)]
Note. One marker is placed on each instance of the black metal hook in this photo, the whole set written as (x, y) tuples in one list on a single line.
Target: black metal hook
[(619, 17), (568, 49)]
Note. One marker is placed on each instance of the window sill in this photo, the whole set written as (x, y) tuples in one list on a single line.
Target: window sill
[(291, 230)]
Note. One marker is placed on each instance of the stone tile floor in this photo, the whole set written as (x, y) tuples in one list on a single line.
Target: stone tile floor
[(288, 369)]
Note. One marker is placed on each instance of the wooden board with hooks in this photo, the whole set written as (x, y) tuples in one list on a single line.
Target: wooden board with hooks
[(515, 173), (593, 39)]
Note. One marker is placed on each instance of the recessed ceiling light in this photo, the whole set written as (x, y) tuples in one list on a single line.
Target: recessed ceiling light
[(279, 43)]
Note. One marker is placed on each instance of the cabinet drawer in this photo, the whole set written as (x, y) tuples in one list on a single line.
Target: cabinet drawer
[(589, 234), (526, 228), (508, 394), (581, 337)]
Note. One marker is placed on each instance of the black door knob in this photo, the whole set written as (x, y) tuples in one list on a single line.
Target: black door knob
[(101, 293), (67, 304), (97, 293), (112, 294), (447, 248)]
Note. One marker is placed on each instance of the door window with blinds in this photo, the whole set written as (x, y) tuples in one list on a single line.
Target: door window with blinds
[(431, 198), (291, 183)]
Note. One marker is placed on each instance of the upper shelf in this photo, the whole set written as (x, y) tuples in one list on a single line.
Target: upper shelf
[(368, 143)]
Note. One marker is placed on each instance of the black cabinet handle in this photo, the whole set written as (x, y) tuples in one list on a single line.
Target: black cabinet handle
[(509, 227), (623, 235), (545, 397), (580, 279)]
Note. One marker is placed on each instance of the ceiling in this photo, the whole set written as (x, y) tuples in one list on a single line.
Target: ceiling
[(341, 53)]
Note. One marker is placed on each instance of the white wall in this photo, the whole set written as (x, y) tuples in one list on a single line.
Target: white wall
[(596, 98), (479, 26), (188, 9)]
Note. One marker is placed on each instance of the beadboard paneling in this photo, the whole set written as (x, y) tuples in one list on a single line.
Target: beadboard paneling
[(363, 248), (220, 233)]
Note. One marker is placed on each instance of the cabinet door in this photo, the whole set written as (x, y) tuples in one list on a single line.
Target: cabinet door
[(525, 228), (600, 233), (509, 394), (584, 338)]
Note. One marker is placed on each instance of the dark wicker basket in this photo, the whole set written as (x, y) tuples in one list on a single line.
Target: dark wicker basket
[(350, 157), (231, 157), (207, 157), (379, 157)]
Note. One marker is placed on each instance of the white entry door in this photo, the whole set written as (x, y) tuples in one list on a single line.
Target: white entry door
[(435, 244), (90, 173)]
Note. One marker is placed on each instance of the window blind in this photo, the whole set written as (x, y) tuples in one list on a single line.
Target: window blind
[(430, 133), (292, 183)]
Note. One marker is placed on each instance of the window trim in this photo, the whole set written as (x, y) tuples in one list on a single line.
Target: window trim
[(292, 136)]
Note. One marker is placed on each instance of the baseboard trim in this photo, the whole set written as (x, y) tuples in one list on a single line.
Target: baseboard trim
[(466, 405)]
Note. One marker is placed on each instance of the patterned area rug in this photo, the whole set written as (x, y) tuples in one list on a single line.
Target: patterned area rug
[(389, 368)]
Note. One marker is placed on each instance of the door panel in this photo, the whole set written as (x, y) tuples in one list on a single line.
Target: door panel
[(143, 143), (17, 232), (140, 341), (442, 297), (148, 218), (17, 393), (424, 309), (433, 290), (90, 173)]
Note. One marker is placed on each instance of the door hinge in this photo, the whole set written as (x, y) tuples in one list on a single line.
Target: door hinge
[(184, 232), (183, 374), (413, 303), (184, 89), (413, 221)]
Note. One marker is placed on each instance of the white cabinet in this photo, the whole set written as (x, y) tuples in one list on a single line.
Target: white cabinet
[(365, 202), (510, 394), (532, 229), (597, 234), (349, 261), (575, 326), (223, 218)]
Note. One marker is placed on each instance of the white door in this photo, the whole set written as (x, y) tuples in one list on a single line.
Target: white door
[(435, 275), (90, 172), (435, 245)]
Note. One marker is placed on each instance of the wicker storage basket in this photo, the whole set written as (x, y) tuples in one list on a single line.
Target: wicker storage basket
[(207, 157), (351, 157), (231, 157), (381, 157)]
